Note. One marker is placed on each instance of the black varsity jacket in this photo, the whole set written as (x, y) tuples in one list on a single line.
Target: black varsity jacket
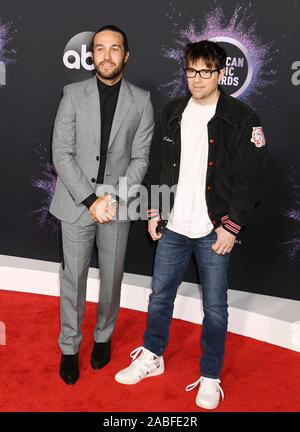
[(236, 159)]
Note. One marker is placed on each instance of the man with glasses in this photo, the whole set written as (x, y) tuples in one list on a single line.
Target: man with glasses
[(212, 147)]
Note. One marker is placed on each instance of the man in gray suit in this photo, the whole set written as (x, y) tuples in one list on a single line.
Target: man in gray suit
[(102, 135)]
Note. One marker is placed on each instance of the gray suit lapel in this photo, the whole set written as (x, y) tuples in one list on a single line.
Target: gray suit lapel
[(93, 108), (124, 103)]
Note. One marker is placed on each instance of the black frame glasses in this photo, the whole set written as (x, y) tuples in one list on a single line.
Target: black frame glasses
[(204, 73)]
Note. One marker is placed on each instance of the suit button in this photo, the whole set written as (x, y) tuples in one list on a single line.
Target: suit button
[(212, 141), (174, 165), (210, 164), (97, 158), (209, 188), (93, 180)]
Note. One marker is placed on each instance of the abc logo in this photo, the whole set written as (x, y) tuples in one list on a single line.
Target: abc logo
[(77, 57)]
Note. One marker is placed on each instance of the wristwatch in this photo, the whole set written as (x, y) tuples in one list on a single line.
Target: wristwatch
[(114, 203)]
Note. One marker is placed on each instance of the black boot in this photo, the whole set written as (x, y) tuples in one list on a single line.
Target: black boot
[(100, 355), (69, 370)]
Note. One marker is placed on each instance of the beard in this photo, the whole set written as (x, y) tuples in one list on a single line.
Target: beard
[(112, 74)]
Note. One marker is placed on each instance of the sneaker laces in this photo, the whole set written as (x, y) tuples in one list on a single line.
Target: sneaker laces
[(140, 360), (207, 385), (134, 354)]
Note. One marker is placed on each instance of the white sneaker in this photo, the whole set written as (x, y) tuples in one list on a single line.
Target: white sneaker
[(146, 365), (209, 392)]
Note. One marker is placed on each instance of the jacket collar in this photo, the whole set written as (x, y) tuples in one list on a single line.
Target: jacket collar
[(223, 109), (92, 106), (180, 107)]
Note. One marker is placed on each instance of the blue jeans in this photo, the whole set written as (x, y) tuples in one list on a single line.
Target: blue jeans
[(171, 261)]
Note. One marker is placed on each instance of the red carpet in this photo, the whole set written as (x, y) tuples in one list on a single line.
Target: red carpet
[(256, 377)]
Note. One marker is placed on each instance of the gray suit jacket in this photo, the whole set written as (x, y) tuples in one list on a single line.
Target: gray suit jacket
[(76, 144)]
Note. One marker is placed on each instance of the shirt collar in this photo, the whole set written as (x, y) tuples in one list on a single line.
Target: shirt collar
[(102, 87), (223, 108)]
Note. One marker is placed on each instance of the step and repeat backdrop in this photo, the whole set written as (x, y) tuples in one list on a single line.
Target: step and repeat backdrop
[(45, 45)]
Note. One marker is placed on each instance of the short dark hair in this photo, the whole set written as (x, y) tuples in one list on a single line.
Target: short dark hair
[(114, 29), (213, 55)]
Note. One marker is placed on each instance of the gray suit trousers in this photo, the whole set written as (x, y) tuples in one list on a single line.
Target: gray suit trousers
[(78, 240)]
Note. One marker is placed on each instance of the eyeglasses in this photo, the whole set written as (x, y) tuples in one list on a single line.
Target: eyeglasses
[(204, 73)]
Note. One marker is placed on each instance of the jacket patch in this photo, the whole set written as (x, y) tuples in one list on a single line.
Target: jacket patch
[(258, 137)]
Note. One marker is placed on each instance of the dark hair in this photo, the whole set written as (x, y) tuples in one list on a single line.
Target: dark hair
[(213, 55), (114, 29)]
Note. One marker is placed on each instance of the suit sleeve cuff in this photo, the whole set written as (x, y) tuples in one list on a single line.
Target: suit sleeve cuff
[(89, 201)]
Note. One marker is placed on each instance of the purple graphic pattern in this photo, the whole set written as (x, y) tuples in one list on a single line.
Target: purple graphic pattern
[(46, 184), (293, 214), (239, 28), (7, 54)]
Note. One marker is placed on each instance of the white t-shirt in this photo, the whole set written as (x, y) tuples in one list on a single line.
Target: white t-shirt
[(189, 215)]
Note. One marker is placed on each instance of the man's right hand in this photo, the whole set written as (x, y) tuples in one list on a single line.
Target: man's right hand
[(101, 211), (152, 225)]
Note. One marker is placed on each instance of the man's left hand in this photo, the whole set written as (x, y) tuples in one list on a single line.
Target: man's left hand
[(224, 243)]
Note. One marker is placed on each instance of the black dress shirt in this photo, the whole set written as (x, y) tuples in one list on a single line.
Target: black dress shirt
[(108, 101)]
